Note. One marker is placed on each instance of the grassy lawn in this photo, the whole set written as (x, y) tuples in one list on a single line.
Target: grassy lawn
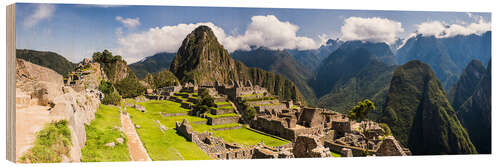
[(248, 137), (51, 144), (335, 154), (101, 131), (164, 146), (223, 103), (164, 106), (226, 107)]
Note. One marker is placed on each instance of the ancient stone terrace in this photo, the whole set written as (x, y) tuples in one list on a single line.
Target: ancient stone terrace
[(288, 120), (217, 148)]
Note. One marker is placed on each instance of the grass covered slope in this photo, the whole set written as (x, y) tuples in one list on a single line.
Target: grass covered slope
[(172, 146), (52, 144), (50, 60), (420, 116), (475, 114), (245, 136), (105, 128), (164, 146)]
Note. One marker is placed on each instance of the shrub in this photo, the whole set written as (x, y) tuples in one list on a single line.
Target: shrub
[(386, 128), (204, 103), (113, 98), (130, 86)]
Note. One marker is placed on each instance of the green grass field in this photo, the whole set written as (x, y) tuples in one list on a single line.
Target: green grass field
[(103, 130), (247, 137), (164, 146), (172, 146), (164, 106)]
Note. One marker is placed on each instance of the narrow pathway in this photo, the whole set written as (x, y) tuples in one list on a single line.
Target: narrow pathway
[(135, 148)]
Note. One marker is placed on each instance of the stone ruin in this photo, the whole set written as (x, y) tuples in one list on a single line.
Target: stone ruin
[(238, 89), (310, 146), (320, 129), (217, 148)]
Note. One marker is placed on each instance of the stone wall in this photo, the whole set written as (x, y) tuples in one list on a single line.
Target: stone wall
[(220, 111), (311, 117), (280, 127), (59, 101), (222, 120), (356, 151), (310, 146), (390, 147)]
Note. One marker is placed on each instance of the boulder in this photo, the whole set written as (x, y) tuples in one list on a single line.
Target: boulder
[(120, 140), (110, 144)]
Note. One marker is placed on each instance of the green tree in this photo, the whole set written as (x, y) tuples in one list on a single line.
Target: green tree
[(130, 86), (250, 112), (386, 128), (360, 111), (204, 103)]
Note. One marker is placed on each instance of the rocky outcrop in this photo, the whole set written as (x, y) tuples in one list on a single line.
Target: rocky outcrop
[(44, 98), (309, 146)]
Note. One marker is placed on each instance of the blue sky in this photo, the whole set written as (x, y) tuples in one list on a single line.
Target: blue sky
[(76, 31)]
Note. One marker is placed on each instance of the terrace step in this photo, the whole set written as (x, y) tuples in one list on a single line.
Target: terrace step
[(173, 114), (227, 128)]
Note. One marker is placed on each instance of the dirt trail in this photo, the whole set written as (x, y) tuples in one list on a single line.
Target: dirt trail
[(135, 148)]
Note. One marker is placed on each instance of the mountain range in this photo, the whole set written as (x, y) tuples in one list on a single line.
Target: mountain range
[(448, 57), (152, 64)]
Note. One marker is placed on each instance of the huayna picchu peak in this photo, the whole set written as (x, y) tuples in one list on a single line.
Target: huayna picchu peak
[(201, 59)]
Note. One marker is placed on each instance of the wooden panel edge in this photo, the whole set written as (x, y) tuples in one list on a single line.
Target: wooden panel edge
[(11, 83)]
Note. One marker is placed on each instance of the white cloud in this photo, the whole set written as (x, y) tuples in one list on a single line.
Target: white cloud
[(269, 31), (128, 22), (443, 30), (134, 47), (42, 12), (265, 31), (373, 29)]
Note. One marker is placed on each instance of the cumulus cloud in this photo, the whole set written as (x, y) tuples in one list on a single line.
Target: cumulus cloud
[(136, 46), (373, 29), (128, 22), (42, 12), (265, 31), (269, 31), (442, 30)]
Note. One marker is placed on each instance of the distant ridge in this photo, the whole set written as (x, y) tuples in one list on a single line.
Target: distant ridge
[(47, 59)]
